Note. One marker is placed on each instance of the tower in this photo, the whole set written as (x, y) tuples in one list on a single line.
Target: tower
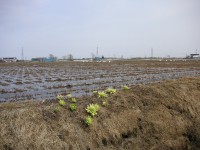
[(151, 52), (22, 55), (97, 51)]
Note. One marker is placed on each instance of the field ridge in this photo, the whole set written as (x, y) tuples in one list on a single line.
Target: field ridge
[(162, 115)]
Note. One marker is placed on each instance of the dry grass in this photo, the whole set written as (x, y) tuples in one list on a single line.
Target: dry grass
[(156, 116)]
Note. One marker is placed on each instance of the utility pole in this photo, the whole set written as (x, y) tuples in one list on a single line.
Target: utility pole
[(151, 52), (22, 57)]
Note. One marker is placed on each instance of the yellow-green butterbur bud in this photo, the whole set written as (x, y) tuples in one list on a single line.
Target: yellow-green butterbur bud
[(88, 120), (73, 107), (74, 100), (102, 94), (62, 102), (57, 109), (111, 91), (125, 87), (68, 96), (92, 109), (59, 97)]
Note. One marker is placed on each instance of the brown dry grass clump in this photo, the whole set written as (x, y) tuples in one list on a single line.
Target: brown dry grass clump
[(157, 116)]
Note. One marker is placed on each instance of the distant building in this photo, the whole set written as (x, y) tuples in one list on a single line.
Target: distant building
[(193, 56), (39, 59), (1, 60), (44, 59), (9, 59), (98, 58)]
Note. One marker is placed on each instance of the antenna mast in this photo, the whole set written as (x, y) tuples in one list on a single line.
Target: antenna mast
[(22, 57), (97, 51), (151, 52)]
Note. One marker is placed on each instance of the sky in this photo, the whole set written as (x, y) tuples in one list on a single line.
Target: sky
[(128, 28)]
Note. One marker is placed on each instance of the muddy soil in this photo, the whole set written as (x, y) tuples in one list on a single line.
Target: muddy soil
[(163, 115), (43, 81)]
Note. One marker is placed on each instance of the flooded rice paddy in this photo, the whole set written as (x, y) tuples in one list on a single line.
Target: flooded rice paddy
[(43, 81)]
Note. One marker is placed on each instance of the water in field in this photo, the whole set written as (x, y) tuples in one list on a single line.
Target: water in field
[(45, 82)]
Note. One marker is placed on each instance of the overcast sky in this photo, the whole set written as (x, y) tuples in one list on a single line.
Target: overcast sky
[(118, 27)]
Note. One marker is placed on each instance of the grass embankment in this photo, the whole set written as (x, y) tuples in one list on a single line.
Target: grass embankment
[(155, 116)]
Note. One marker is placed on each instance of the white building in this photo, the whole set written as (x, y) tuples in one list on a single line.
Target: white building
[(9, 59)]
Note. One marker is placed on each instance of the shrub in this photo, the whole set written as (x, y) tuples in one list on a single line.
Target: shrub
[(92, 109), (126, 87), (74, 100), (88, 120), (62, 102), (111, 91), (102, 94), (73, 107)]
